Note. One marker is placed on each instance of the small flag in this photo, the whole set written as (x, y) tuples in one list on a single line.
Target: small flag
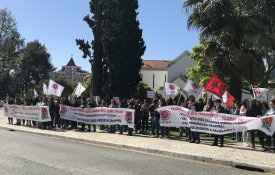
[(228, 98), (55, 88), (79, 90), (216, 86), (45, 89), (260, 94), (193, 88), (35, 93), (171, 89)]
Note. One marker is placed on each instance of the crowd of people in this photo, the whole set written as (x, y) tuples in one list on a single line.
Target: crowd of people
[(147, 119)]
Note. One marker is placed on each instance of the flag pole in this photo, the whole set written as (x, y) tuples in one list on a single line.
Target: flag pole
[(253, 91)]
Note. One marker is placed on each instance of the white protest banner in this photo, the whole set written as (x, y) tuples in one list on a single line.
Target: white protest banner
[(55, 88), (35, 93), (214, 123), (171, 89), (193, 88), (151, 94), (35, 113), (260, 94), (173, 116), (79, 89), (45, 89), (99, 115)]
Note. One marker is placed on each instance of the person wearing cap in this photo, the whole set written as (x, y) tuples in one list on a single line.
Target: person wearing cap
[(219, 109)]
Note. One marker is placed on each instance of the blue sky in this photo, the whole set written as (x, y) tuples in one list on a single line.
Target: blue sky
[(57, 23)]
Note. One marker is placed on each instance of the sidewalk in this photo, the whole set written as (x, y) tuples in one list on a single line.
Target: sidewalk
[(233, 154)]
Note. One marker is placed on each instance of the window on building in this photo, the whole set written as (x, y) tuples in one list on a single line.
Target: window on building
[(165, 78), (153, 81)]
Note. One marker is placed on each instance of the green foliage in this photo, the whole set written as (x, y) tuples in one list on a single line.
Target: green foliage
[(35, 65), (10, 41), (118, 47), (232, 31), (68, 87), (123, 47), (140, 92)]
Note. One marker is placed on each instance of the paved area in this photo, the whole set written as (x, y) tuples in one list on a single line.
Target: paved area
[(232, 154), (22, 153)]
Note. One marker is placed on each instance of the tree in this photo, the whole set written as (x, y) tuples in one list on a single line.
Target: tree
[(10, 47), (141, 91), (123, 47), (118, 47), (231, 30), (95, 23), (35, 65)]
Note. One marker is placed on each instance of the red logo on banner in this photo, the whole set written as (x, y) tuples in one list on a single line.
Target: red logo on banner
[(171, 87), (257, 91), (195, 86), (164, 115), (44, 113), (128, 117), (55, 86), (63, 110), (266, 123)]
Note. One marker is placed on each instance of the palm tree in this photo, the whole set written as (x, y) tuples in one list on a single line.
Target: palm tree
[(231, 29)]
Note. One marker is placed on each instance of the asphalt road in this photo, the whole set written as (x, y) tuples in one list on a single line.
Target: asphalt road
[(28, 154)]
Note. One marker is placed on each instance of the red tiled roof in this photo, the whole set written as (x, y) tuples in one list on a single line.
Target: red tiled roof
[(155, 64)]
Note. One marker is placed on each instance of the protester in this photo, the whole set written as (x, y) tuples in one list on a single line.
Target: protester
[(194, 137), (130, 106), (159, 129), (254, 111), (52, 110), (112, 127), (56, 113), (151, 109), (123, 104), (245, 135), (83, 105), (90, 104), (219, 109), (209, 107), (237, 106), (144, 117), (270, 112), (8, 100), (18, 101)]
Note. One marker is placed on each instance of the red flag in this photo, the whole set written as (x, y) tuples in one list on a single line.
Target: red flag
[(228, 99), (216, 86)]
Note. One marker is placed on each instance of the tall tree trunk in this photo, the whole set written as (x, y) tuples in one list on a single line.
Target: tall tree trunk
[(235, 87), (96, 83)]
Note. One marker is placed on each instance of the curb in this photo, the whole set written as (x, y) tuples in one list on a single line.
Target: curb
[(234, 164)]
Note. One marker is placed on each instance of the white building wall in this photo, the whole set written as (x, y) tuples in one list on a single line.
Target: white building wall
[(159, 77), (180, 66)]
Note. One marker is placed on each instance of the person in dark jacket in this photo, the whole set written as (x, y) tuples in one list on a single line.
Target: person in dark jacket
[(90, 104), (254, 111), (219, 109)]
